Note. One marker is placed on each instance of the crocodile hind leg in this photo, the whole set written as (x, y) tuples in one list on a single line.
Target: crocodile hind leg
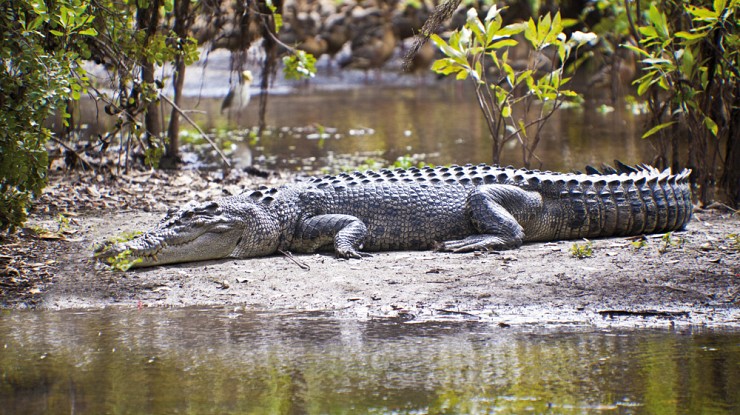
[(489, 210), (346, 232)]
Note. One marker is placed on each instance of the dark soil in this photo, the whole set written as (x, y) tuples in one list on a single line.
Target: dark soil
[(688, 277)]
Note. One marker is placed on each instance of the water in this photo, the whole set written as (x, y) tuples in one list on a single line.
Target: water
[(436, 122), (224, 361)]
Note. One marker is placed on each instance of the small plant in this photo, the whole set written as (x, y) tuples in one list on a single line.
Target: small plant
[(299, 65), (124, 237), (407, 162), (480, 51), (581, 251), (63, 223), (734, 240), (668, 241), (123, 261), (368, 164), (640, 243)]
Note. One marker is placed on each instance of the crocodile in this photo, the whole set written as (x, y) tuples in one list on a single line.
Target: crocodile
[(458, 209)]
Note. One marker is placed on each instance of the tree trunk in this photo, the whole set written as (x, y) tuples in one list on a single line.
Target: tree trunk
[(269, 66), (147, 19), (181, 27), (730, 180)]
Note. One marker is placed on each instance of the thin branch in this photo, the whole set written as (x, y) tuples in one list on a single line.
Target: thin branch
[(70, 149), (633, 30), (202, 133)]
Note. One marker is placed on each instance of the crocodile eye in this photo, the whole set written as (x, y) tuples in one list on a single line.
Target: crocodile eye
[(207, 208)]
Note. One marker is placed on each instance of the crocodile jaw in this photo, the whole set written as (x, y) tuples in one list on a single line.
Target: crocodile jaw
[(166, 246)]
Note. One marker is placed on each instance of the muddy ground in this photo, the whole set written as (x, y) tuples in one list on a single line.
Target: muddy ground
[(690, 277)]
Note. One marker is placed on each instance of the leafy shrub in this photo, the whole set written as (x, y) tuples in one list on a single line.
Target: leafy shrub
[(40, 72), (690, 54), (480, 51)]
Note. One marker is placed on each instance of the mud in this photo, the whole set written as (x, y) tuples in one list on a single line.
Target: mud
[(690, 277)]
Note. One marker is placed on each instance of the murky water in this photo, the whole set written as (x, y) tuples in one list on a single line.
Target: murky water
[(437, 122), (216, 360)]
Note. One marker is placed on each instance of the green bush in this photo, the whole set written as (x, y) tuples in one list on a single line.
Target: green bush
[(480, 51), (40, 52)]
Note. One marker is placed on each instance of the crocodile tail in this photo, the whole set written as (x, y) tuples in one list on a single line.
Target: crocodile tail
[(644, 201), (648, 201)]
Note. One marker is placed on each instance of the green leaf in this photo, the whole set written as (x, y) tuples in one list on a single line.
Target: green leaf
[(278, 21), (569, 93), (89, 32), (659, 21), (492, 29), (687, 62), (476, 25), (504, 43), (570, 22), (530, 32), (645, 82), (648, 31), (700, 13), (719, 6), (711, 125), (663, 82), (478, 70), (446, 66), (523, 76), (299, 65), (657, 128), (513, 29), (690, 36), (543, 28), (510, 75), (656, 61), (635, 49), (493, 12), (557, 25), (438, 41)]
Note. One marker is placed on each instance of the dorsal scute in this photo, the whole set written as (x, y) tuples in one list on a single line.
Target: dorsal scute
[(592, 181)]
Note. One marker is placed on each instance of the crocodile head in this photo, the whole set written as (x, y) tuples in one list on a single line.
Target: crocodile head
[(197, 232)]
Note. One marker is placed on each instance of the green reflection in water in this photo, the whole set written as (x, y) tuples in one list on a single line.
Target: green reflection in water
[(440, 122), (215, 360)]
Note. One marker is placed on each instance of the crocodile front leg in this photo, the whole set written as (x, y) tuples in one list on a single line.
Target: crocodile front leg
[(489, 210), (346, 232)]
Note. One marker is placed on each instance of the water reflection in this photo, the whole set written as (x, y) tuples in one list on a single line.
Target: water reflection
[(440, 122), (217, 360)]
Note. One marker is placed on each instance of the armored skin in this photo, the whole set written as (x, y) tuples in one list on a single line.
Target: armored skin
[(458, 209)]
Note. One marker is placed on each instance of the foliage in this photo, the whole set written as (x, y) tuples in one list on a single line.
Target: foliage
[(407, 161), (480, 51), (41, 56), (734, 239), (123, 261), (42, 53), (667, 241), (640, 243), (582, 251), (691, 78), (299, 65)]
